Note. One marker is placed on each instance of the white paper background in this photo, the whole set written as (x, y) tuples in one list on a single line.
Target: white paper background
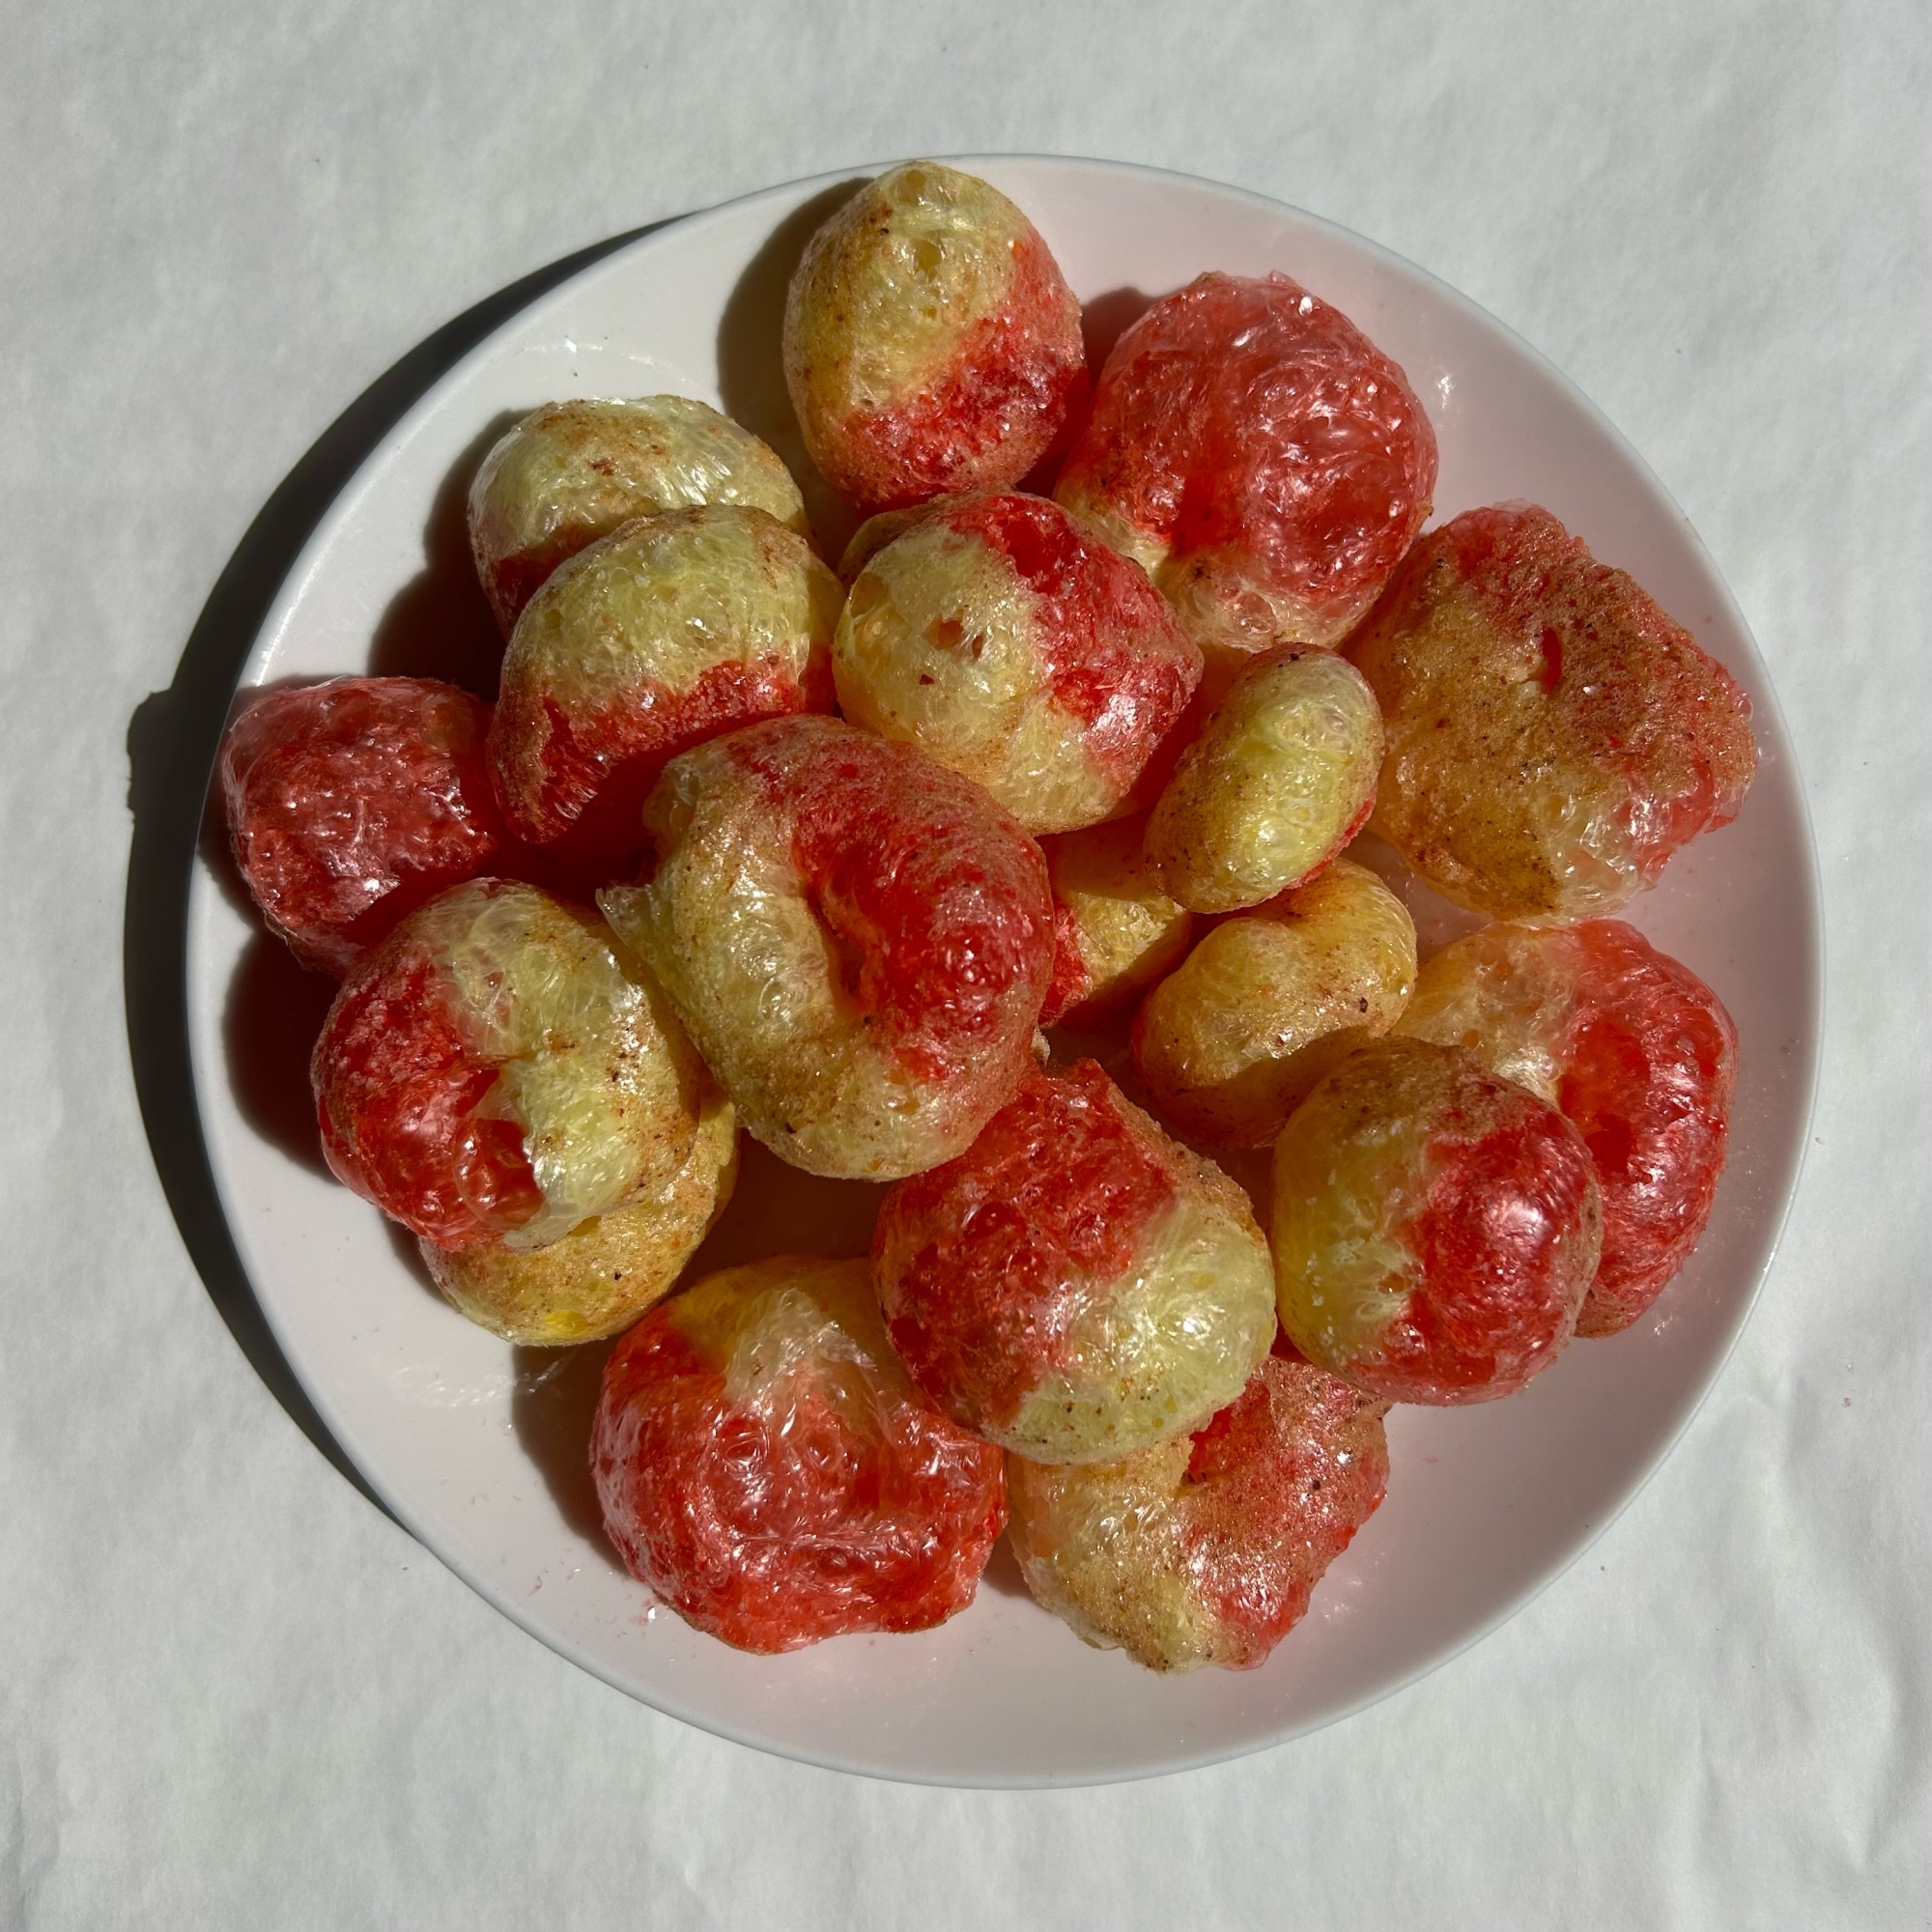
[(234, 1694)]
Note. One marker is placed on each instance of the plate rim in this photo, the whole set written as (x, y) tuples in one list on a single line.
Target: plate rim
[(1765, 699)]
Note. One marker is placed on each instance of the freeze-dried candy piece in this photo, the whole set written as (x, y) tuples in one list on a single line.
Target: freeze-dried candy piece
[(1435, 1226), (765, 1466), (571, 473), (1552, 736), (1115, 931), (930, 341), (1206, 1549), (1633, 1048), (1258, 455), (350, 803), (1006, 644), (1281, 777), (858, 940), (607, 1271), (1075, 1286), (499, 1069), (668, 632), (1229, 1045)]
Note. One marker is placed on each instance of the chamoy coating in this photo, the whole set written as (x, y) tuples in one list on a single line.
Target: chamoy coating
[(670, 631), (1232, 1042), (1008, 644), (766, 1468), (499, 1069), (930, 341), (608, 1270), (1115, 930), (572, 472), (1207, 1550), (1075, 1286), (858, 940), (1281, 777), (1262, 459), (1634, 1049), (1552, 736), (1436, 1228), (350, 803)]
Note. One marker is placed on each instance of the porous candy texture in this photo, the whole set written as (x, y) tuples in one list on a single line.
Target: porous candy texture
[(1076, 1285), (1267, 1003), (671, 630), (930, 341), (1115, 930), (349, 804), (608, 1270), (1207, 1548), (571, 473), (1260, 458), (1436, 1228), (499, 1069), (1006, 643), (1552, 736), (1636, 1052), (858, 939), (766, 1468), (1281, 777)]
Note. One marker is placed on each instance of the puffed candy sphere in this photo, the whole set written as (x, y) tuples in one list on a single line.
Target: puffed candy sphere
[(858, 940), (1075, 1286), (350, 803), (1552, 736), (1231, 1043), (930, 341), (1260, 458), (766, 1468), (499, 1069), (1436, 1228), (1635, 1051), (1207, 1550), (668, 632), (571, 473), (608, 1270), (1115, 931), (1281, 777), (1006, 643)]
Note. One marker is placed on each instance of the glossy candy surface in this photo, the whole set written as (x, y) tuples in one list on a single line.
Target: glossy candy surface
[(1552, 736), (1207, 1550), (1436, 1228), (1230, 1044), (858, 939), (1006, 643), (1076, 1285), (571, 473), (349, 804), (1260, 458), (668, 632), (1115, 931), (764, 1466), (499, 1069), (930, 341), (1636, 1052), (1281, 777), (608, 1270)]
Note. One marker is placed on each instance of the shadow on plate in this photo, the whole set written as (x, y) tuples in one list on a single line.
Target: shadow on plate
[(172, 738)]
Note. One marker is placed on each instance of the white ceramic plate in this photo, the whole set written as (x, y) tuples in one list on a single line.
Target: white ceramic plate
[(480, 1449)]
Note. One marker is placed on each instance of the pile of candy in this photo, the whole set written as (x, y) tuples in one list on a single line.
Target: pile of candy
[(746, 843)]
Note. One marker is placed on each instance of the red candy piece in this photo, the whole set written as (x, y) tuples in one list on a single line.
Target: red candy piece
[(1435, 1226), (1633, 1048), (764, 1466), (1260, 456), (351, 804)]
